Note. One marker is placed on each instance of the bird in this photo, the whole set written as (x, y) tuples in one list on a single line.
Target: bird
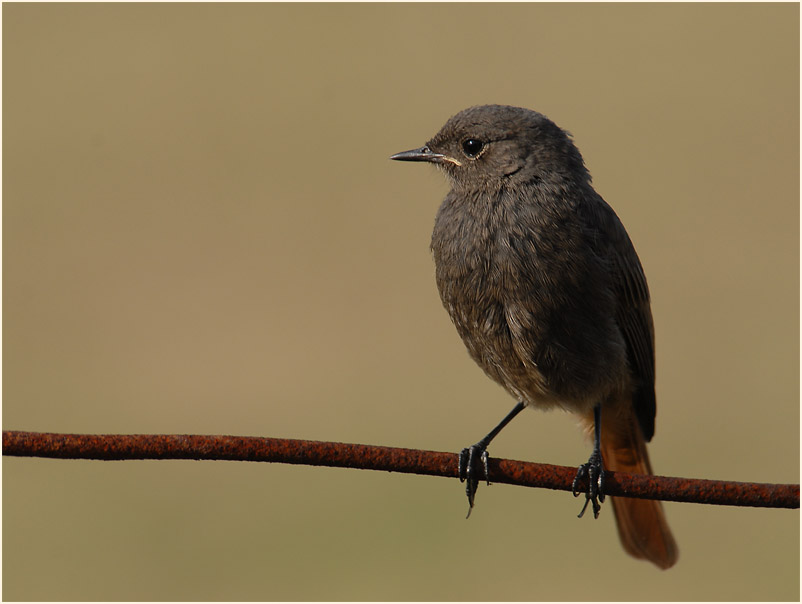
[(544, 286)]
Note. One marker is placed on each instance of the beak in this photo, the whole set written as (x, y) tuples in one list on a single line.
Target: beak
[(423, 154)]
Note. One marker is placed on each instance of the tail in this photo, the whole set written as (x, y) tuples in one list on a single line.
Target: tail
[(642, 525)]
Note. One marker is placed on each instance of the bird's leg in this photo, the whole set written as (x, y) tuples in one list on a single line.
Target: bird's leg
[(593, 471), (470, 458)]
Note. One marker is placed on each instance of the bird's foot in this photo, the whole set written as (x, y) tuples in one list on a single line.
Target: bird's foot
[(473, 467), (592, 473)]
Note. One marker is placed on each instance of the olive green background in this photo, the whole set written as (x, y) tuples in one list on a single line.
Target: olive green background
[(203, 234)]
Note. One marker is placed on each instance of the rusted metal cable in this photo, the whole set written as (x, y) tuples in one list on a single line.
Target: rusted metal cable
[(366, 457)]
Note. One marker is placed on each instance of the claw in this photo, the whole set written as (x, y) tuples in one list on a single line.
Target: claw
[(593, 473), (469, 459), (486, 466), (470, 456)]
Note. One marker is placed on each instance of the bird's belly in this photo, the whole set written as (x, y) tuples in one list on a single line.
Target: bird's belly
[(486, 332), (530, 349)]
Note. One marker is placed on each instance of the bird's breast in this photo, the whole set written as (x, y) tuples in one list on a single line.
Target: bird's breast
[(527, 296)]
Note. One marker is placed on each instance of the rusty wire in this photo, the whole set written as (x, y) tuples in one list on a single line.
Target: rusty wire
[(366, 457)]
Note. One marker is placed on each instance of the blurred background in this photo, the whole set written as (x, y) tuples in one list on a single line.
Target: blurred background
[(203, 234)]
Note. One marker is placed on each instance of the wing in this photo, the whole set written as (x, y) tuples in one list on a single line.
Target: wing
[(634, 317)]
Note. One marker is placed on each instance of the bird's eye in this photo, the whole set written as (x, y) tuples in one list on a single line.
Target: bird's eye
[(472, 147)]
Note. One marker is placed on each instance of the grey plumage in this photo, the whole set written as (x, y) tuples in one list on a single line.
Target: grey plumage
[(536, 270), (547, 292)]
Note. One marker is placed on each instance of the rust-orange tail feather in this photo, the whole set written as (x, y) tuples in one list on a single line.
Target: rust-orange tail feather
[(642, 525)]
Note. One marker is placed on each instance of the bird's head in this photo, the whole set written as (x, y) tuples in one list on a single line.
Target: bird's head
[(491, 146)]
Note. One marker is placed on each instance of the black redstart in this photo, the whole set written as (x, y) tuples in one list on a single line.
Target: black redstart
[(544, 286)]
